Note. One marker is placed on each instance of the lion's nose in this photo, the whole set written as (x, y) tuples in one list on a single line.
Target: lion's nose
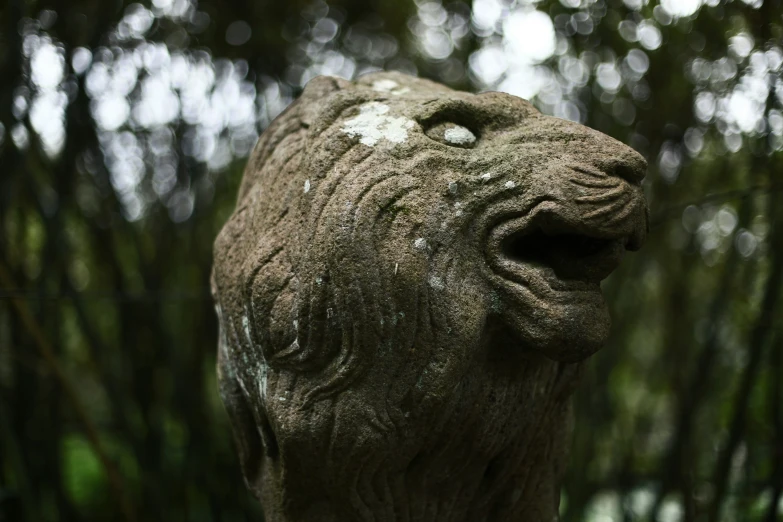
[(625, 163)]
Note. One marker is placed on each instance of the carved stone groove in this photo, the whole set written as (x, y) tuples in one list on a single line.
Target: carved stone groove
[(406, 290)]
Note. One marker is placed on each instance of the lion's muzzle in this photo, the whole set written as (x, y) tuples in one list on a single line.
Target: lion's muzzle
[(578, 235), (549, 256)]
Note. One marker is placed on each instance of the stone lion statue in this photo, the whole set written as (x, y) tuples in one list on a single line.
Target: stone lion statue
[(405, 290)]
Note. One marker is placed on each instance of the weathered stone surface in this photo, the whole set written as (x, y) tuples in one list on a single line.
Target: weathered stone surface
[(405, 291)]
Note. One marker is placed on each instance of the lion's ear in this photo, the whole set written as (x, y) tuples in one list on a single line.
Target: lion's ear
[(322, 86), (316, 90)]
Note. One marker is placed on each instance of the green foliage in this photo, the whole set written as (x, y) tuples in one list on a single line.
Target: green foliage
[(84, 478)]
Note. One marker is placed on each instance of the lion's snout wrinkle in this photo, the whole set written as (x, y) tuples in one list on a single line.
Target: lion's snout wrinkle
[(407, 273), (603, 152)]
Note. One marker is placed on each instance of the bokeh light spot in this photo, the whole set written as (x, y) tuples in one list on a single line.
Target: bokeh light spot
[(238, 33)]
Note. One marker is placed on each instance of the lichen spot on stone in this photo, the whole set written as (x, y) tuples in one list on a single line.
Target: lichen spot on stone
[(485, 177), (262, 378), (453, 188), (420, 244), (458, 135), (384, 85), (246, 328), (374, 124), (437, 283), (510, 184), (389, 86), (307, 186)]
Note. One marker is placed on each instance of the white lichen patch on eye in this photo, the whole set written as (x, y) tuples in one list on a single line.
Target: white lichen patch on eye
[(510, 184), (485, 177), (384, 85), (307, 186), (374, 124), (420, 244), (389, 86), (459, 135)]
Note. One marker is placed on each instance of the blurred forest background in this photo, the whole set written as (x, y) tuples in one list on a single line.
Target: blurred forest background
[(124, 128)]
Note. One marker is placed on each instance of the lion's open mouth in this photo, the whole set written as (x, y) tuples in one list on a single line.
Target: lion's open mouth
[(563, 246), (571, 256), (540, 247)]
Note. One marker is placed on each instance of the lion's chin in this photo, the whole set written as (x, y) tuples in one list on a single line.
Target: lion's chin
[(551, 279), (565, 320)]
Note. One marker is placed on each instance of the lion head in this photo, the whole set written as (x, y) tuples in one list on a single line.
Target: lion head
[(405, 286)]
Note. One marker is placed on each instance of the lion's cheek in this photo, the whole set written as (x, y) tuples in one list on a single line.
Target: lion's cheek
[(562, 331)]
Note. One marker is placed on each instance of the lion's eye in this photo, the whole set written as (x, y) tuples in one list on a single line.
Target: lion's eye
[(452, 134)]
